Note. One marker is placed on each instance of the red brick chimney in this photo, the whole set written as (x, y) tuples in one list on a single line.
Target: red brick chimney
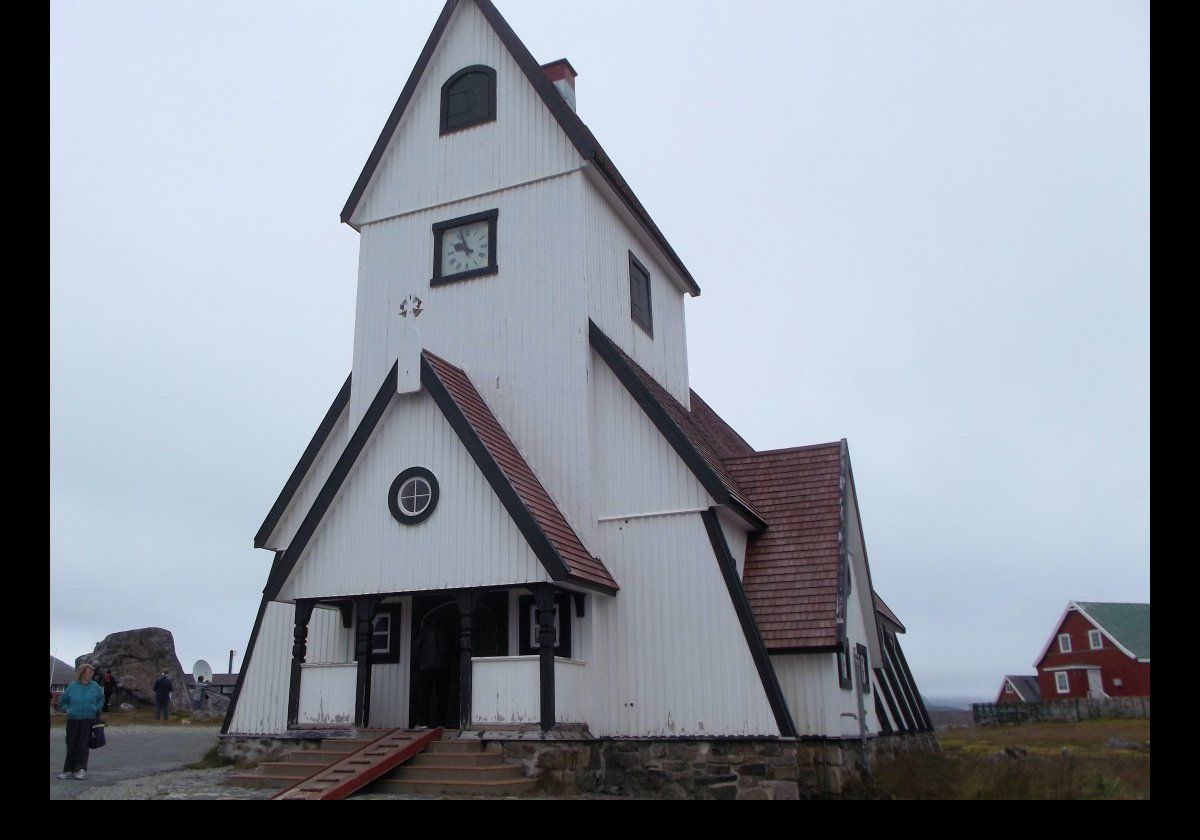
[(563, 75)]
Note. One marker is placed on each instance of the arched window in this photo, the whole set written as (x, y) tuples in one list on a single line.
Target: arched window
[(468, 98)]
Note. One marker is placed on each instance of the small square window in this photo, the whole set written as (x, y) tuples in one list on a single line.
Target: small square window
[(640, 308), (1095, 640), (1008, 689), (1064, 643), (1062, 683)]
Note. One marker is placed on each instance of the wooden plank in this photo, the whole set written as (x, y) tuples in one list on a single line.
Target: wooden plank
[(360, 768)]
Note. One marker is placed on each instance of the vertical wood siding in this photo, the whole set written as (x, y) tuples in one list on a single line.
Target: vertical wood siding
[(307, 492), (810, 681), (327, 695), (262, 703), (421, 168), (521, 335), (671, 658), (634, 469), (609, 241), (329, 643), (390, 683), (469, 541)]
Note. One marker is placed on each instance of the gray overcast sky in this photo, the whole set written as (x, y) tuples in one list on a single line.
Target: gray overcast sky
[(964, 188)]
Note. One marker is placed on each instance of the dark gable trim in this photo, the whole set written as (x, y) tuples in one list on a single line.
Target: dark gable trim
[(899, 689), (306, 461), (605, 347), (918, 702), (581, 138), (905, 719), (284, 565), (754, 640), (882, 681), (542, 547), (237, 689)]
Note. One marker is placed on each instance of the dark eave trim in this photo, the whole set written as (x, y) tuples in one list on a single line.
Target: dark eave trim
[(919, 702), (393, 120), (237, 689), (881, 681), (284, 565), (541, 545), (607, 350), (581, 138), (754, 639), (306, 461), (906, 712)]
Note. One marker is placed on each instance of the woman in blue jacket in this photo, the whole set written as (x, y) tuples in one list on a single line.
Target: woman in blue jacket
[(82, 702)]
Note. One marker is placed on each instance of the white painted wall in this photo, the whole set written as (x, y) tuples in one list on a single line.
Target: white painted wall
[(390, 684), (507, 690), (634, 470), (671, 658), (262, 702), (469, 541), (523, 144), (521, 335), (314, 480), (609, 240), (327, 695)]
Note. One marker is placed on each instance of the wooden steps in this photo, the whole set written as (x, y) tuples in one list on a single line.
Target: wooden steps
[(446, 766), (356, 770)]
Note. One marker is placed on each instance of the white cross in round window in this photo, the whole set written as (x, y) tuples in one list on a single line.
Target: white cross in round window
[(413, 496)]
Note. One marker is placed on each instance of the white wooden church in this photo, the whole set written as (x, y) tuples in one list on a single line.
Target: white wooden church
[(516, 515)]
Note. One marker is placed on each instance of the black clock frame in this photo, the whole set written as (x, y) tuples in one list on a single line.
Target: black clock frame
[(439, 230)]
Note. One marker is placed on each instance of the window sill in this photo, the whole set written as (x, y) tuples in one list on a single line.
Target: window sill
[(467, 275)]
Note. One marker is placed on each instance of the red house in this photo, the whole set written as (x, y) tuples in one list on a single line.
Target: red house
[(1097, 650), (1019, 689)]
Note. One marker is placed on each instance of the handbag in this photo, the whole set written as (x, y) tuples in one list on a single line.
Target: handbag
[(97, 739)]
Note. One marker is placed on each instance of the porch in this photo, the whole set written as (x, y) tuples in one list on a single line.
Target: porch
[(511, 658)]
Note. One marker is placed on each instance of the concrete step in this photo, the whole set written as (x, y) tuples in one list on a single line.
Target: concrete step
[(315, 756), (514, 787), (501, 772), (474, 759), (462, 748)]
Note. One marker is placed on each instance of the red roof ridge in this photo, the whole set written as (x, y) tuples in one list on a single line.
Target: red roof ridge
[(788, 451)]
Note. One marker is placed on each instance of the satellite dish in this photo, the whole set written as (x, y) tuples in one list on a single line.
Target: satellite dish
[(202, 669)]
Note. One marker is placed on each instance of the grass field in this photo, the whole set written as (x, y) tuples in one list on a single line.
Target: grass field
[(140, 716), (1043, 761)]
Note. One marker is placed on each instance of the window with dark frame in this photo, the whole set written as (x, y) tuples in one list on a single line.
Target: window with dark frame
[(385, 635), (527, 630), (468, 99), (640, 308), (864, 673), (845, 675)]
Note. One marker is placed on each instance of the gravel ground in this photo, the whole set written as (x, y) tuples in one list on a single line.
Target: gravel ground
[(132, 752)]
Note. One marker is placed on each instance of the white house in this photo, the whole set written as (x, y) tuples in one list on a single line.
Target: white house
[(516, 514)]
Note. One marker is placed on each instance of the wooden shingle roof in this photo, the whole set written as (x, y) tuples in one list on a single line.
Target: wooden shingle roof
[(545, 528), (791, 572)]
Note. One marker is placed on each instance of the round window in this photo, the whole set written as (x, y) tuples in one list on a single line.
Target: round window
[(414, 496)]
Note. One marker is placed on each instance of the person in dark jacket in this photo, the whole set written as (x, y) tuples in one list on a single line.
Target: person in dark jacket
[(162, 696), (109, 683), (81, 702)]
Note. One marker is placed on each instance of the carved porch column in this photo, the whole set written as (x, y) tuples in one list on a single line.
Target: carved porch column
[(304, 610), (364, 625), (543, 598), (467, 601)]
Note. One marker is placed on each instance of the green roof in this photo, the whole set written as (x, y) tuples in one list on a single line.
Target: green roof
[(1129, 624)]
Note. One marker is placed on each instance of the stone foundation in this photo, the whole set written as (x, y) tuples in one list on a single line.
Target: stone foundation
[(725, 769), (249, 750)]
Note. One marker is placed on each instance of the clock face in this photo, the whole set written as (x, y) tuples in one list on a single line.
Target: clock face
[(466, 248)]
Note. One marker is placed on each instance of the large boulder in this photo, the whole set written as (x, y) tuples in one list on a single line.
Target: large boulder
[(136, 658)]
